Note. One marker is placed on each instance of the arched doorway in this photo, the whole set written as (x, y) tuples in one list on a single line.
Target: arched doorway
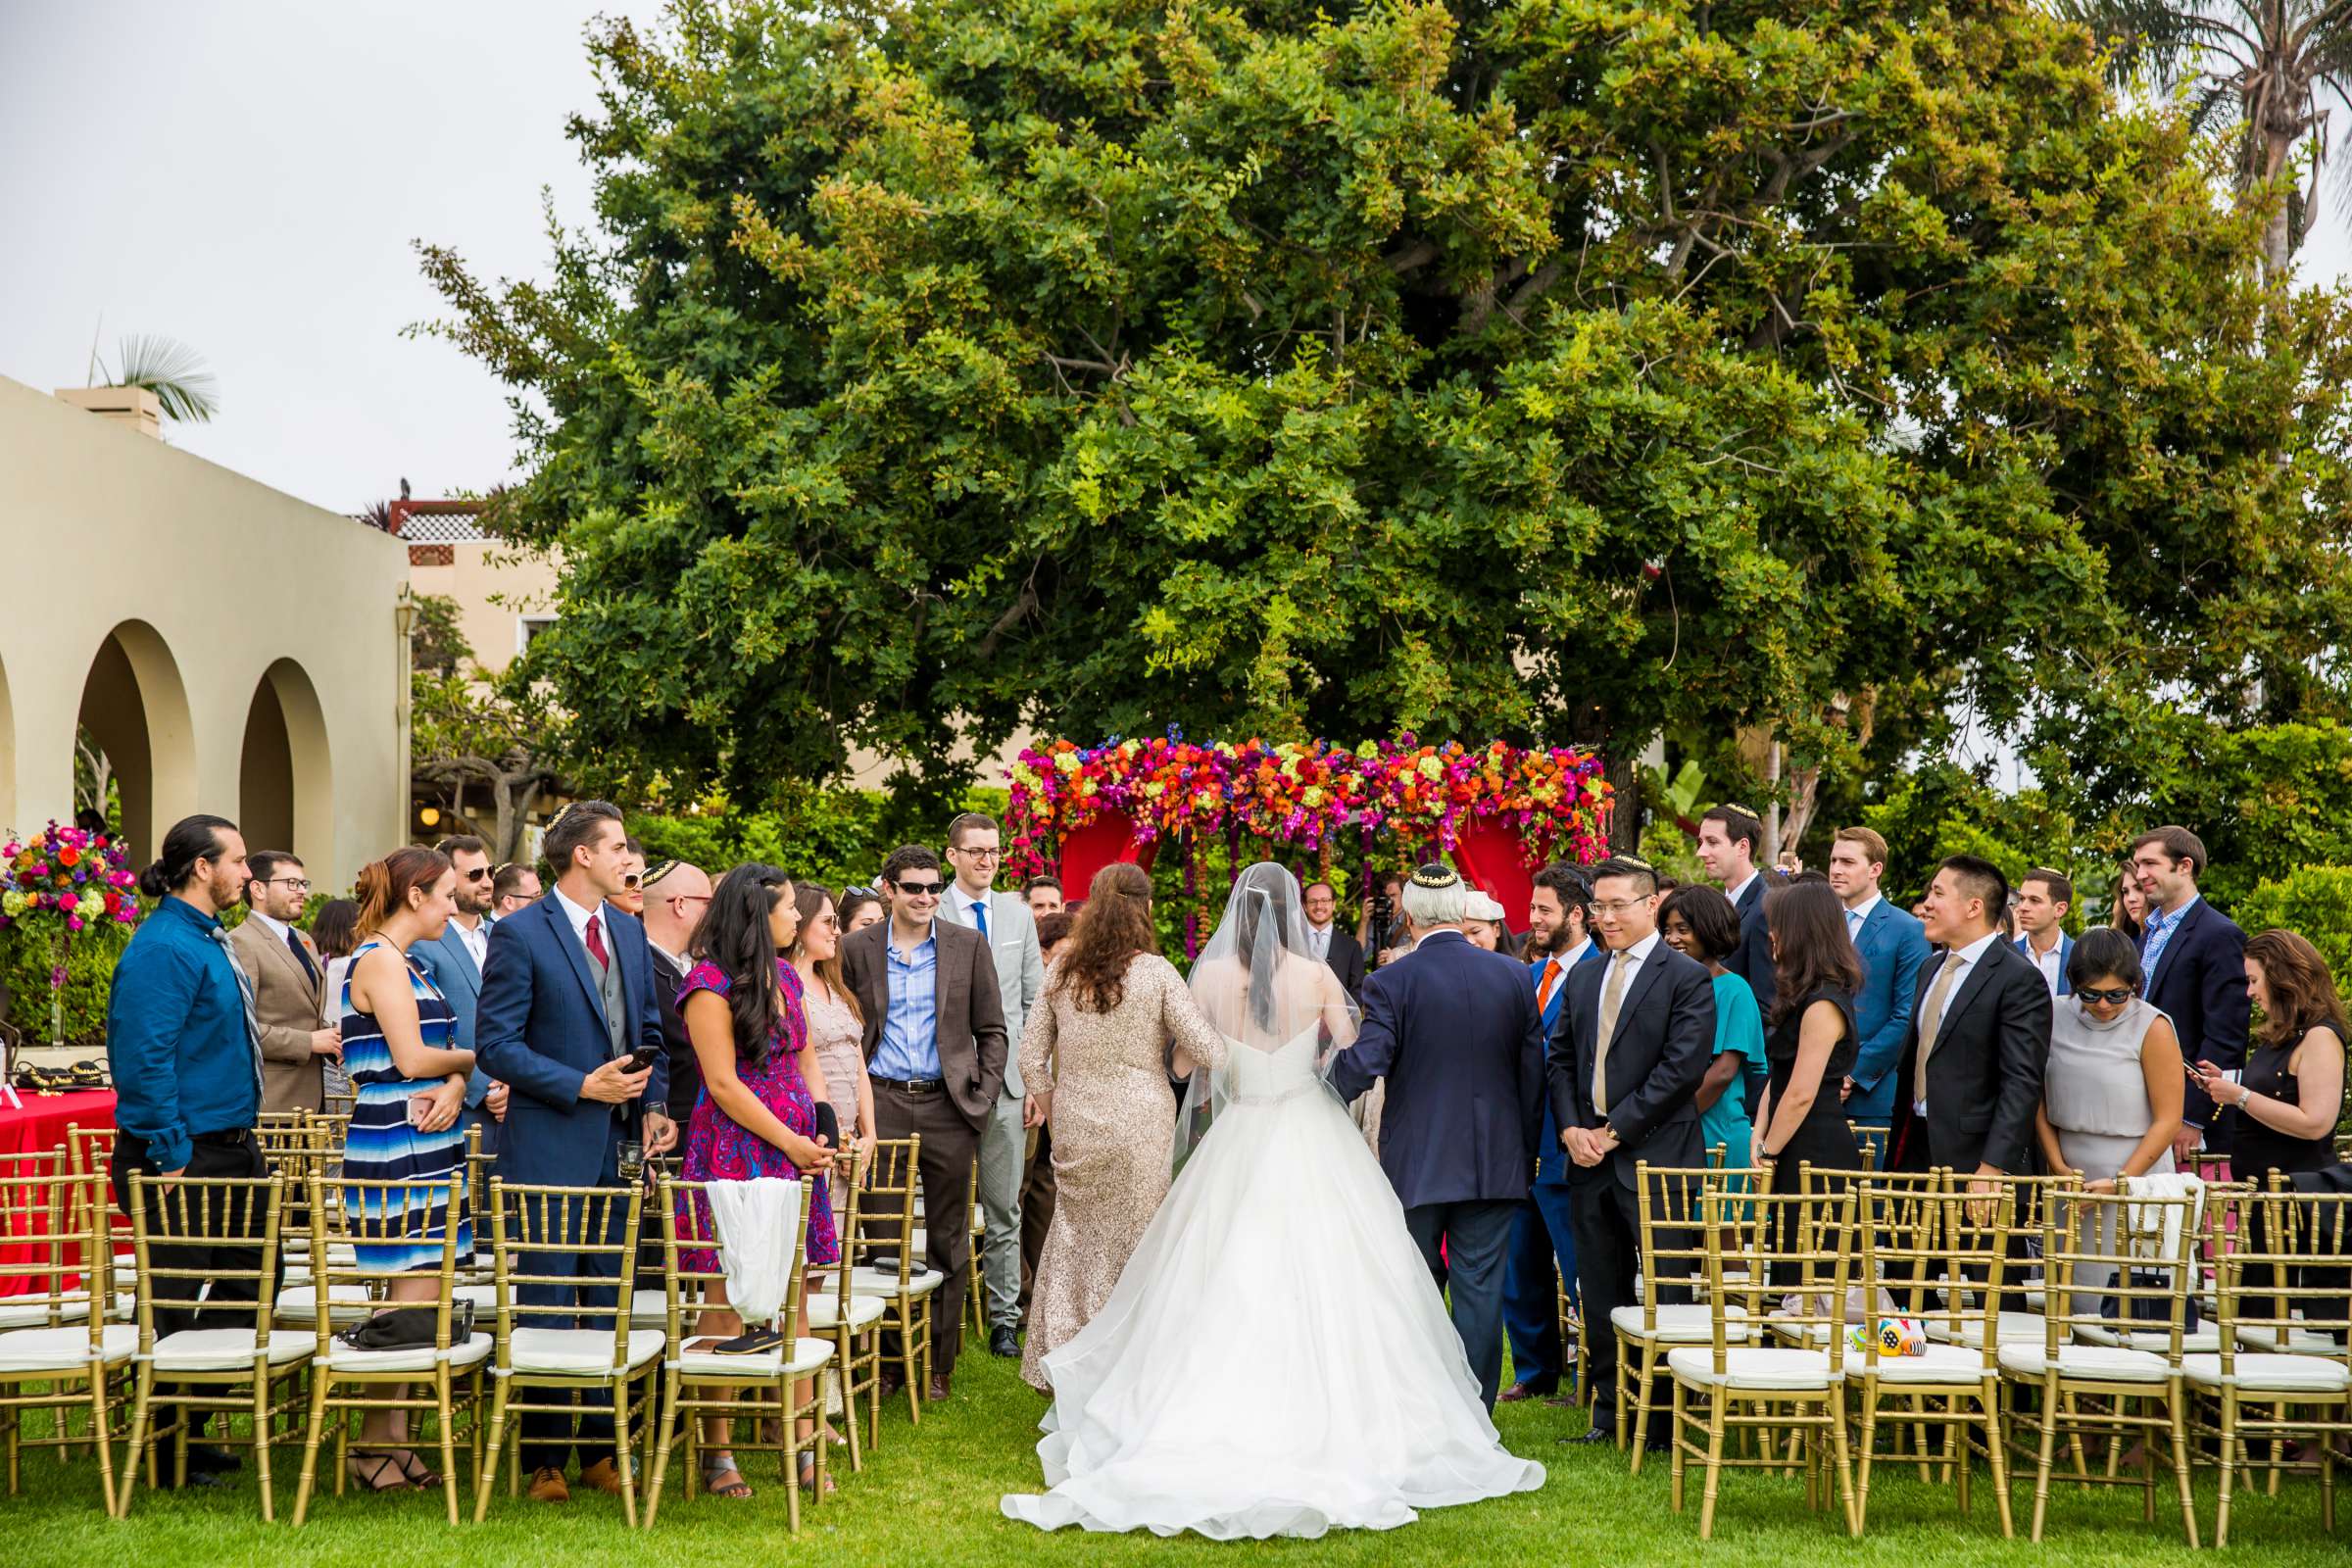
[(285, 781), (136, 733)]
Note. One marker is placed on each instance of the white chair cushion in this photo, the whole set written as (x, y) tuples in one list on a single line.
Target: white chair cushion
[(808, 1355), (345, 1304), (225, 1349), (579, 1353), (1680, 1325), (2016, 1328), (825, 1312), (2272, 1373), (2099, 1362), (1793, 1371), (1935, 1363), (2153, 1338), (649, 1308), (484, 1296), (342, 1358), (875, 1281), (63, 1349), (33, 1311), (2269, 1337)]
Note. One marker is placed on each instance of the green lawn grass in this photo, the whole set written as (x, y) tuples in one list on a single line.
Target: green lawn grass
[(930, 1496)]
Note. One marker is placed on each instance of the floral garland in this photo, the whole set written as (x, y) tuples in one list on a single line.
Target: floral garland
[(1304, 796), (68, 879)]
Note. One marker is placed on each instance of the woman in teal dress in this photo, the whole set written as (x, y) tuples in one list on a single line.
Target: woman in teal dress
[(411, 1085), (1699, 923)]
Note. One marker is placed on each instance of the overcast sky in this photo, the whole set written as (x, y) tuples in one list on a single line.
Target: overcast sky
[(246, 175)]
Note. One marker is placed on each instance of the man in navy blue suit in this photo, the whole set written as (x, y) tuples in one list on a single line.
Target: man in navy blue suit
[(2195, 960), (1892, 945), (2043, 896), (1454, 1031), (1543, 1231), (1731, 838), (567, 995)]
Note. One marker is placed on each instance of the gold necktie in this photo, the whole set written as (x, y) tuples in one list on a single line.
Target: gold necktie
[(1931, 1024), (1612, 996)]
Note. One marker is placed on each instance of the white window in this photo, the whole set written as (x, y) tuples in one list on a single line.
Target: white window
[(527, 627)]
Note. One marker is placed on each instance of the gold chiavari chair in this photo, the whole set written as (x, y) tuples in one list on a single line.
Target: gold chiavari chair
[(230, 1363), (1666, 1200), (567, 1345), (2134, 1252), (390, 1228), (90, 1152), (53, 1347), (1871, 1138), (2283, 1366), (852, 1320), (1909, 1236), (1794, 1252), (747, 1388), (886, 1268), (976, 1295)]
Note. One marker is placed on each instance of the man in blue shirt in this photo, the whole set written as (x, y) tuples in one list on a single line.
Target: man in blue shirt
[(186, 1056), (935, 1049)]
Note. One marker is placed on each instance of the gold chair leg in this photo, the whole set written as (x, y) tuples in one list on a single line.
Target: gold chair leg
[(1648, 1369), (669, 1424), (623, 1454), (493, 1452), (141, 1412), (311, 1438), (1717, 1401), (261, 1442), (1995, 1444), (2048, 1421), (1674, 1462), (1862, 1460), (1845, 1469), (2230, 1457), (2175, 1406), (446, 1408)]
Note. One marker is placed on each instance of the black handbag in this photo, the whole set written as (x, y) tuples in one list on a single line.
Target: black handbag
[(408, 1328), (828, 1125), (2149, 1309)]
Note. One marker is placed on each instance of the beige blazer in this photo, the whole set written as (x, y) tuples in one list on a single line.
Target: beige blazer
[(291, 1007)]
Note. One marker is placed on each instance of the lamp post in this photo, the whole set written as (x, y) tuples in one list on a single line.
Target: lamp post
[(404, 618)]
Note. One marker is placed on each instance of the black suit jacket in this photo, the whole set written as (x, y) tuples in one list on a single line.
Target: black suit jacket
[(1985, 1076), (2200, 984), (1665, 1038), (1456, 1032), (1346, 960), (1751, 959), (685, 1073)]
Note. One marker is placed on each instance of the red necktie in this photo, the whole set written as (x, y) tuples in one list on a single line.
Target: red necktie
[(596, 943), (1551, 980)]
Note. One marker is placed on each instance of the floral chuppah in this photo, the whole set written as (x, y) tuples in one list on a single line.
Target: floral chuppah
[(1500, 810)]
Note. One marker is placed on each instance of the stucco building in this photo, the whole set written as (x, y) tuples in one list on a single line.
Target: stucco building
[(227, 647)]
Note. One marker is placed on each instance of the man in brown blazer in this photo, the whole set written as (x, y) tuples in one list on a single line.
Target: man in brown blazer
[(935, 1051), (289, 986)]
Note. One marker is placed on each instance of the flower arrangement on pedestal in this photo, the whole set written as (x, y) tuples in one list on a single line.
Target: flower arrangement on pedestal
[(59, 883)]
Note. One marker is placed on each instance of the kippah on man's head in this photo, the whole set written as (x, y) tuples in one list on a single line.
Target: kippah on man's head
[(1435, 875)]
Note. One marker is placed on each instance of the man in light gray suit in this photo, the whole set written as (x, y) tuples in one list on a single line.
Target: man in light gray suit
[(974, 851), (453, 963)]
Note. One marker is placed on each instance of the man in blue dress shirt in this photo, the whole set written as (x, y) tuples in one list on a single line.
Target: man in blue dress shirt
[(187, 1055)]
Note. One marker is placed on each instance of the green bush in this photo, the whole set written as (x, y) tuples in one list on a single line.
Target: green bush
[(25, 962), (837, 837), (2315, 904)]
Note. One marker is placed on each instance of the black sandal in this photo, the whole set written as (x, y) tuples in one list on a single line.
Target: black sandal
[(368, 1467), (423, 1477)]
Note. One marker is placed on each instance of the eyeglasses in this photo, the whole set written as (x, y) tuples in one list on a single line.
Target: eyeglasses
[(300, 884), (921, 890), (1617, 906), (690, 898), (979, 854), (2114, 999)]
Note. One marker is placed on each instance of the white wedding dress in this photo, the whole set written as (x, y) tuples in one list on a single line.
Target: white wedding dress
[(1275, 1359)]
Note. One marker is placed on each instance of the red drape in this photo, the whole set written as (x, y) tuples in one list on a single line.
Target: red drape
[(1492, 858), (1106, 839)]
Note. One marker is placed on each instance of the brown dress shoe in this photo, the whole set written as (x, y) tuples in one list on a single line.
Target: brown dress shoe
[(938, 1386), (604, 1476), (547, 1485)]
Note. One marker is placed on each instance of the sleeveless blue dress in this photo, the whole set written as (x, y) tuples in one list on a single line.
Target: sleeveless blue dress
[(383, 1147)]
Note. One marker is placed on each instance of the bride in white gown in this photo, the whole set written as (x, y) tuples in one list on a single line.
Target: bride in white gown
[(1275, 1359)]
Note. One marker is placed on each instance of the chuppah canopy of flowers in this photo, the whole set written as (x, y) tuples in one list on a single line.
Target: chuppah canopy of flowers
[(65, 880), (1309, 796)]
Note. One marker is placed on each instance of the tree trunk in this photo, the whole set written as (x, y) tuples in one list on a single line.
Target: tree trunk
[(1625, 817)]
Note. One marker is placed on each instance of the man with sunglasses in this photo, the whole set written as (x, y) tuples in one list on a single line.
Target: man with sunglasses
[(935, 1045), (454, 961), (289, 992)]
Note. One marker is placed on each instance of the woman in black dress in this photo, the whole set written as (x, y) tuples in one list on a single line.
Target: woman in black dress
[(1809, 1040)]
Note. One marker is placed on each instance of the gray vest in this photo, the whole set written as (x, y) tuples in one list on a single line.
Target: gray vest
[(608, 985)]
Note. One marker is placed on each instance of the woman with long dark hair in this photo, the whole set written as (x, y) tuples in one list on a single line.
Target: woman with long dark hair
[(1811, 1038), (860, 908), (836, 1028), (1096, 1057), (1699, 923), (742, 1005)]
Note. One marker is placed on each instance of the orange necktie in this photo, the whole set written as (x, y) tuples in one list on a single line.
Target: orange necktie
[(1552, 981)]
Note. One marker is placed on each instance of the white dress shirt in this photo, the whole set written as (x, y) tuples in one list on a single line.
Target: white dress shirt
[(967, 902), (1641, 951), (270, 923), (1318, 942), (1859, 915), (578, 916), (476, 941), (2046, 962), (1966, 958), (1734, 894)]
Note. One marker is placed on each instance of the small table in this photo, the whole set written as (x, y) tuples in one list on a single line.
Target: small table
[(39, 1127)]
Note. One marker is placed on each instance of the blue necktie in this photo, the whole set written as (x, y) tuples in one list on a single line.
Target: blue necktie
[(980, 917)]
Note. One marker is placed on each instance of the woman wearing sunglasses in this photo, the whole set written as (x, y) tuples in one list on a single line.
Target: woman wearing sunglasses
[(2111, 1098)]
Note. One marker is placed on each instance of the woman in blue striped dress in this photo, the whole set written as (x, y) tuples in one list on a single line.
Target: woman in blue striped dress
[(411, 1085)]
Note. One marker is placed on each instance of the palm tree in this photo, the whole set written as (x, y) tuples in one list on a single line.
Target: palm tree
[(166, 367), (2276, 65)]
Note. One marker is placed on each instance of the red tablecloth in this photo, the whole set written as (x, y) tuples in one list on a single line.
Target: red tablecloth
[(39, 1127)]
